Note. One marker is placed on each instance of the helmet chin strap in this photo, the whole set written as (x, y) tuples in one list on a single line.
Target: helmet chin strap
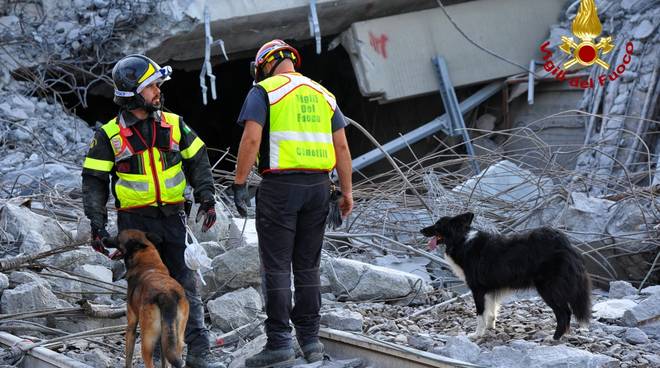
[(140, 103), (272, 70)]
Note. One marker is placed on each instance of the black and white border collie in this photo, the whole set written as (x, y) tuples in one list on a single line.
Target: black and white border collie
[(492, 265)]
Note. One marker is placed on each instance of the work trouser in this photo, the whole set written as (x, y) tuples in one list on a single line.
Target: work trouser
[(290, 218), (173, 232)]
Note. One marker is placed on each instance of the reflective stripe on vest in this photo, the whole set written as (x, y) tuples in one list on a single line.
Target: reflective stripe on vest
[(300, 124), (156, 185)]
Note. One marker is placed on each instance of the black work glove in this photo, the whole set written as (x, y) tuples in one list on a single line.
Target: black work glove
[(207, 211), (98, 234), (241, 198), (334, 214)]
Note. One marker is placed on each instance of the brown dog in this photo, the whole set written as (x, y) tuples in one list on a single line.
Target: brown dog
[(154, 299)]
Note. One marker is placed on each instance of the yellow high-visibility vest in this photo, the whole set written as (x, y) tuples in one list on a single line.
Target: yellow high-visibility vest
[(154, 184), (300, 125)]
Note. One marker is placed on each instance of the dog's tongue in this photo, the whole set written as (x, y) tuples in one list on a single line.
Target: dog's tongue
[(117, 254), (433, 243)]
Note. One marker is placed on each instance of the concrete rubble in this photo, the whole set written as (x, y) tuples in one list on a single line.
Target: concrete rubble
[(343, 320), (235, 309), (30, 296), (371, 285)]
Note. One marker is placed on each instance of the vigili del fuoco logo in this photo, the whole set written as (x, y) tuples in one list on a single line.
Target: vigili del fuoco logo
[(587, 50)]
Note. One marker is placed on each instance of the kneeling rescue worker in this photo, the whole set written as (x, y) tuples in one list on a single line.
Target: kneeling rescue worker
[(147, 156)]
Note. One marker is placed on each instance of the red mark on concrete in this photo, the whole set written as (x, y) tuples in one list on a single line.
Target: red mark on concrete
[(379, 43)]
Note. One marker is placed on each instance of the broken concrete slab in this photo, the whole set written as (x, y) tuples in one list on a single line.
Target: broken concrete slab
[(65, 283), (558, 356), (237, 268), (620, 289), (586, 217), (382, 75), (502, 357), (646, 311), (414, 265), (95, 272), (32, 232), (630, 220), (508, 182), (342, 319), (612, 309), (636, 336), (655, 289), (35, 172), (23, 277), (421, 341), (235, 309), (460, 348), (73, 259), (359, 281), (29, 297)]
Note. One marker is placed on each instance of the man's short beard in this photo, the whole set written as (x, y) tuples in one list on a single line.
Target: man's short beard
[(154, 107), (151, 107)]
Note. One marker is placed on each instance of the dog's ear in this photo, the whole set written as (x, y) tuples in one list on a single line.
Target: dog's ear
[(111, 242), (465, 219), (154, 238)]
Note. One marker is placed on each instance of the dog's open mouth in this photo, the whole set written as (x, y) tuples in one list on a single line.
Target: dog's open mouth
[(433, 243), (117, 254)]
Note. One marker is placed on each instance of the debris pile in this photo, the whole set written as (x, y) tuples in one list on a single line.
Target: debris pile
[(63, 47), (42, 146), (522, 336)]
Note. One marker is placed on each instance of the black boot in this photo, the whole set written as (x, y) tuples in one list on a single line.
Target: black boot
[(313, 351), (205, 359), (272, 358)]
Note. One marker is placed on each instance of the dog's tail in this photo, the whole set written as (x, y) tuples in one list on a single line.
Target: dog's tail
[(171, 339), (579, 295), (580, 300)]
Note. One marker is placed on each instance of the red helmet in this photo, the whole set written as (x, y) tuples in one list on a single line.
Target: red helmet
[(274, 50)]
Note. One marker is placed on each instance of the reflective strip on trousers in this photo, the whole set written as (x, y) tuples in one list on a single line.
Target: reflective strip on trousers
[(134, 185), (277, 137)]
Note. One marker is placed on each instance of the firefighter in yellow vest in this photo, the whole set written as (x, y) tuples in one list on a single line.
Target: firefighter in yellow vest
[(146, 157), (296, 129)]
